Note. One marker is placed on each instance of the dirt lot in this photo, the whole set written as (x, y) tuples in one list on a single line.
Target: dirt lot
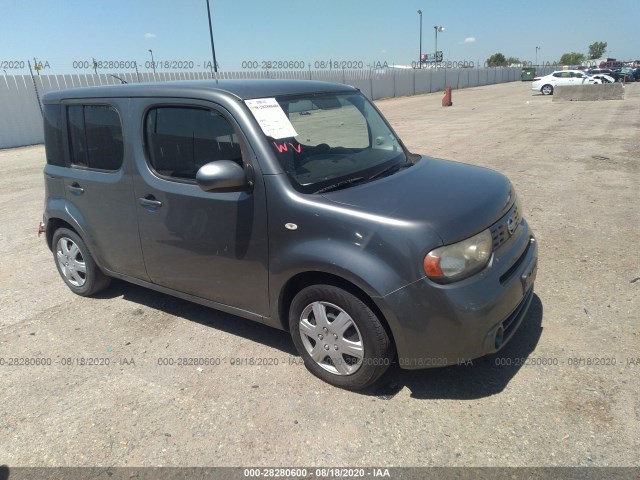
[(563, 393)]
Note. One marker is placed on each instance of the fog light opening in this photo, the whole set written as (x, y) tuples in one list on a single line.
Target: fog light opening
[(499, 338)]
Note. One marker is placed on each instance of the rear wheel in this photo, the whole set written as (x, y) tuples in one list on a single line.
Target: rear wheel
[(339, 337), (547, 90), (76, 265)]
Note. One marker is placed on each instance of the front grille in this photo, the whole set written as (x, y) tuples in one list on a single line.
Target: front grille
[(507, 275), (511, 322), (500, 230)]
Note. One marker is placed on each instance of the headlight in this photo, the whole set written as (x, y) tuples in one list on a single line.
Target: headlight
[(460, 260)]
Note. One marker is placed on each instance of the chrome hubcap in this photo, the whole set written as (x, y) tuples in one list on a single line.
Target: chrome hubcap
[(71, 262), (331, 338)]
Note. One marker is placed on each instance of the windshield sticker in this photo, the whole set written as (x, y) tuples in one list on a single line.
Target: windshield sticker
[(271, 118), (282, 147)]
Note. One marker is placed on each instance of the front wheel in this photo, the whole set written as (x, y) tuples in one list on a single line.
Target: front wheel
[(547, 90), (340, 339), (76, 265)]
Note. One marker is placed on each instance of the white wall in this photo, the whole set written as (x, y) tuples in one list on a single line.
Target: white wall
[(21, 119)]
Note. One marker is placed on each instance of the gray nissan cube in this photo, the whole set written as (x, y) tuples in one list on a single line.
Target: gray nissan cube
[(294, 204)]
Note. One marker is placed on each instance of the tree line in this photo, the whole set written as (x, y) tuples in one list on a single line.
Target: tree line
[(596, 50)]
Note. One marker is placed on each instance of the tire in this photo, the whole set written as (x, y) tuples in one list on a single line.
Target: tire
[(76, 265), (339, 338), (547, 90)]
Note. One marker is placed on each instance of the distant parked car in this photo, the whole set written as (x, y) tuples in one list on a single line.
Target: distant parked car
[(611, 64), (548, 83), (594, 72), (636, 74), (625, 74), (604, 78)]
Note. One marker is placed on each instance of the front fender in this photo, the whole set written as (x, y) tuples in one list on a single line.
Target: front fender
[(368, 272), (360, 268)]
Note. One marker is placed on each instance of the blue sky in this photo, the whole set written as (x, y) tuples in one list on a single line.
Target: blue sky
[(63, 31)]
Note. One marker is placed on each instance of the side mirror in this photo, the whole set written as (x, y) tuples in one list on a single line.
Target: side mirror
[(222, 176)]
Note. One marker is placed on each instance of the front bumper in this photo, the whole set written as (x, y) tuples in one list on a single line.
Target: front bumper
[(438, 325)]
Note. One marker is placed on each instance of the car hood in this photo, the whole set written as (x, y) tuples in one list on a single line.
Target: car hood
[(455, 200)]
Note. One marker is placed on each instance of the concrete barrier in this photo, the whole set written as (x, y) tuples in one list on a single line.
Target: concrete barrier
[(575, 93)]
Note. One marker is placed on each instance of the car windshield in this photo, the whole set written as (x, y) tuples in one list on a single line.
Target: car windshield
[(340, 140)]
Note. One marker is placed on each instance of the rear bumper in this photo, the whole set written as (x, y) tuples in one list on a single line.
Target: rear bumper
[(438, 325)]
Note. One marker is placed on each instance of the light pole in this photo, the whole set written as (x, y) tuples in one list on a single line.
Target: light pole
[(537, 48), (437, 28), (213, 50), (153, 64), (420, 54)]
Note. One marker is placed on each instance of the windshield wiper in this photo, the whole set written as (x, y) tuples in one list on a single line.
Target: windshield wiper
[(355, 180), (389, 170), (339, 185)]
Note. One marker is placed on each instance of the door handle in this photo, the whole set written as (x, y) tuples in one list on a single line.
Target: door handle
[(150, 201), (75, 188)]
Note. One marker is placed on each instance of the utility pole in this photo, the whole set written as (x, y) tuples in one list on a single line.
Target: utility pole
[(35, 87), (153, 63), (437, 28), (420, 54), (213, 49)]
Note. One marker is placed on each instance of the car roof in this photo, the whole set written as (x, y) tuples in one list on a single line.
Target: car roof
[(241, 89), (584, 72)]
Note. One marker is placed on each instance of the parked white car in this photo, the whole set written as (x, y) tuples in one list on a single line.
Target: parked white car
[(604, 78), (548, 83)]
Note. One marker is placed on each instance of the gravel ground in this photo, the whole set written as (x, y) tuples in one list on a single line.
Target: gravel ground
[(564, 392)]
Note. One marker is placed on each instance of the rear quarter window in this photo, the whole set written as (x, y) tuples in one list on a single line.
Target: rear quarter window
[(54, 151)]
